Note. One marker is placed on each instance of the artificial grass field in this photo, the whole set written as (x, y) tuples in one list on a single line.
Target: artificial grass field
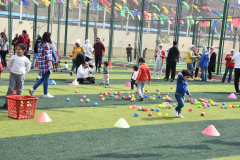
[(84, 131)]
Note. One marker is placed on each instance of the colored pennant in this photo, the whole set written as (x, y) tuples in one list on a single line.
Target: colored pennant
[(70, 6), (74, 2), (146, 13), (101, 1), (235, 22), (95, 5), (122, 12), (206, 8), (146, 5), (186, 5), (165, 10), (100, 9), (106, 6), (47, 3), (214, 25), (118, 5), (2, 3), (196, 7), (137, 12), (129, 11), (108, 11), (108, 3), (156, 7), (136, 2), (133, 12), (174, 12), (17, 3), (115, 12), (35, 2), (188, 22), (155, 15), (26, 2)]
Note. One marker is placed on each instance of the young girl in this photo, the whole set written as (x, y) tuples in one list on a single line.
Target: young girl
[(143, 74), (180, 91), (18, 66), (134, 77)]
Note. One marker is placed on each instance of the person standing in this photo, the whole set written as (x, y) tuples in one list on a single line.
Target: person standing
[(38, 41), (14, 43), (212, 63), (129, 53), (171, 61), (4, 49), (44, 64), (144, 52), (229, 67), (135, 53), (236, 60), (88, 49), (204, 63), (159, 60), (191, 59), (99, 53), (24, 38)]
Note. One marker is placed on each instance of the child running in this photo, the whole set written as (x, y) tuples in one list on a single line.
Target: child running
[(18, 66), (143, 74), (105, 77), (134, 77), (180, 91)]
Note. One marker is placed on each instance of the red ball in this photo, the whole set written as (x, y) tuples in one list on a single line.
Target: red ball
[(233, 106), (200, 102), (126, 98), (109, 93), (104, 93), (202, 114), (145, 109), (188, 100), (149, 114), (156, 89), (192, 102), (136, 92), (171, 87), (145, 90), (190, 109), (100, 92), (119, 91), (163, 93), (148, 95), (130, 98), (170, 100)]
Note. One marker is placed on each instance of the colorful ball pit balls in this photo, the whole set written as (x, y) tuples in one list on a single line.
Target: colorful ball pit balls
[(188, 100), (136, 92), (237, 106), (146, 90), (202, 114), (69, 84), (101, 93), (76, 91), (226, 107), (216, 104), (145, 109), (123, 97), (157, 109), (110, 90), (81, 100), (95, 104), (153, 98), (133, 106), (160, 106), (87, 100), (157, 90), (108, 93), (163, 93), (122, 92), (105, 86), (145, 96), (165, 115), (171, 87), (174, 105), (115, 93), (223, 104), (132, 95), (68, 99), (205, 107), (128, 93), (126, 98), (135, 114), (150, 114), (103, 99), (169, 107), (159, 96), (142, 109), (230, 106), (190, 109), (199, 106), (167, 93), (152, 109), (130, 107), (159, 93), (195, 90), (163, 98), (129, 98), (148, 95), (84, 97), (112, 95), (208, 105), (116, 97), (100, 96), (233, 106), (134, 99), (159, 114), (105, 93), (170, 100), (166, 96)]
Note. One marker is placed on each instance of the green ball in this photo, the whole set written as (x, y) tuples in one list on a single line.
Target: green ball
[(195, 103), (237, 106), (87, 100), (122, 92), (134, 99), (158, 93), (151, 99), (198, 103), (163, 107), (199, 106), (199, 99)]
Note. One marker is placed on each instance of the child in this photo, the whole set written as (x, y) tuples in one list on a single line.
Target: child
[(180, 91), (65, 66), (143, 73), (18, 66), (105, 73), (1, 66), (134, 77)]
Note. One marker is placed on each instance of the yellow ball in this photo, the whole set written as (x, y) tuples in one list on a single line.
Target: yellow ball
[(103, 99), (128, 92), (159, 114), (160, 106), (230, 106), (106, 94), (154, 98), (166, 96), (163, 98), (195, 90), (130, 107), (165, 115), (132, 95)]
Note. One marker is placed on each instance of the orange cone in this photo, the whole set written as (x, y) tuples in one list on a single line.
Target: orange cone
[(43, 117), (211, 131), (110, 65), (15, 91)]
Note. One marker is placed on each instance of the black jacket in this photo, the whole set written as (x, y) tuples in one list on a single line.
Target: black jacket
[(173, 55), (212, 62), (14, 40), (129, 50), (36, 45)]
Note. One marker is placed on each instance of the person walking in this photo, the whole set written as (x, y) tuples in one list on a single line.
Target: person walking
[(144, 52), (191, 59), (135, 53), (171, 61), (99, 49), (236, 60), (44, 64), (24, 38), (14, 43), (159, 60), (129, 53), (204, 63), (38, 41), (4, 49), (229, 67), (212, 63)]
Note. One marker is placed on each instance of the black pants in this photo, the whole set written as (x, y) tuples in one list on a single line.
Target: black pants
[(28, 56), (135, 56), (196, 72), (88, 80), (236, 79), (171, 65), (129, 56), (132, 84), (3, 57), (98, 62), (210, 73), (14, 48)]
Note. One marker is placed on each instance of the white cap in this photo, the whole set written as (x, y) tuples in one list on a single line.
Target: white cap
[(190, 47), (160, 45), (232, 50), (78, 41)]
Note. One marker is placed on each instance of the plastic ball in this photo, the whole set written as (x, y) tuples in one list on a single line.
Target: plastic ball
[(142, 109), (149, 114), (68, 99), (109, 93), (136, 92), (152, 109), (87, 100), (84, 97), (195, 90), (226, 107), (128, 92), (199, 106), (163, 93), (126, 98), (105, 86), (188, 100), (100, 96), (223, 104), (165, 115), (164, 98), (103, 99), (139, 108), (101, 93), (158, 93), (160, 106), (145, 109), (116, 97), (115, 93), (237, 106), (121, 91), (233, 106), (169, 107), (133, 106), (153, 98), (130, 98), (202, 114), (134, 99), (159, 114), (148, 95), (205, 107), (145, 96), (216, 104), (163, 107), (230, 106), (76, 91), (130, 107), (146, 90), (81, 100), (171, 87), (106, 94), (123, 97), (195, 103), (159, 96), (208, 105), (190, 109), (157, 90), (132, 95), (135, 114), (69, 84), (157, 109), (167, 93), (95, 104)]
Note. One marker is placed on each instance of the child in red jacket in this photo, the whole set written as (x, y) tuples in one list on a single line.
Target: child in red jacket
[(143, 74), (229, 67)]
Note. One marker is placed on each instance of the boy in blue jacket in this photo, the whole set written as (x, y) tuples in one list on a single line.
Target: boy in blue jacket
[(204, 63), (180, 91)]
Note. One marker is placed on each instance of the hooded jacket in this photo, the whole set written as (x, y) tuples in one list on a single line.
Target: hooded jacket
[(24, 38), (36, 45)]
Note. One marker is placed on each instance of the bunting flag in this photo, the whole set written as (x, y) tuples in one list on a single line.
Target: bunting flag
[(164, 17), (165, 10), (106, 6), (161, 19), (101, 1), (133, 12), (205, 23), (74, 2), (154, 20), (214, 25), (70, 6), (100, 9), (150, 16), (122, 12), (137, 12), (146, 19), (95, 4), (2, 3), (116, 8), (124, 1), (17, 3), (139, 17), (156, 7), (172, 20), (174, 12), (146, 5), (108, 3), (188, 22), (136, 2), (206, 8), (218, 14), (60, 1), (235, 22), (47, 3), (236, 4), (129, 11), (146, 13), (53, 2), (229, 26), (115, 12), (155, 15), (186, 5), (118, 5), (196, 7), (108, 11), (85, 2)]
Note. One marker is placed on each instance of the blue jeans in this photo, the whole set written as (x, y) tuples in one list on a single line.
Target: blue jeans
[(44, 80), (74, 64), (34, 59), (190, 68), (230, 74), (180, 98), (98, 62), (55, 57), (204, 74)]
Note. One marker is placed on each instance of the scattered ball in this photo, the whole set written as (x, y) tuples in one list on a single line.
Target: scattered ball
[(142, 109), (226, 107), (205, 107), (151, 99), (136, 92), (105, 86), (152, 109), (130, 107), (100, 96), (237, 106), (139, 108), (123, 97), (87, 100), (116, 97), (81, 100), (145, 109), (128, 93), (145, 96), (202, 114), (76, 91), (126, 98), (157, 109), (149, 114), (135, 114), (132, 95), (68, 99), (112, 95), (159, 114), (233, 106), (165, 115), (110, 90), (69, 84), (195, 90), (84, 97), (230, 106), (171, 87), (133, 107), (95, 104), (115, 93), (109, 93), (199, 106), (106, 94), (146, 90), (163, 93), (101, 93), (159, 96), (160, 106), (103, 99), (190, 109)]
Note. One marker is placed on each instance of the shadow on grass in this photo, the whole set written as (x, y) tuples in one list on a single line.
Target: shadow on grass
[(118, 155), (203, 146), (221, 142)]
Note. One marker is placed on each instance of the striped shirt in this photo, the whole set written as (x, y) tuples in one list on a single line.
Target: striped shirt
[(44, 55)]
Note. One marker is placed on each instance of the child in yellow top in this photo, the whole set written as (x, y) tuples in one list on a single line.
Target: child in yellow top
[(77, 49), (190, 58)]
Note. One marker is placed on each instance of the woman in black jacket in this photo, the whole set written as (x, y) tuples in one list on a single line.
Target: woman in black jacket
[(39, 38), (212, 63)]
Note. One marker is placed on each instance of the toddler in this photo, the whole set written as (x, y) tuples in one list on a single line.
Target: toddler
[(134, 76), (105, 73), (65, 66), (181, 90)]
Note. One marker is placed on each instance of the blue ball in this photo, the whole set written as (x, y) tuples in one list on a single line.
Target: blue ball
[(174, 105), (135, 114), (95, 104), (153, 95), (145, 96), (194, 101), (115, 93), (159, 96), (166, 100), (112, 95), (105, 86), (208, 105), (129, 96), (223, 103), (157, 109), (152, 109), (68, 99), (226, 107), (206, 99), (216, 104)]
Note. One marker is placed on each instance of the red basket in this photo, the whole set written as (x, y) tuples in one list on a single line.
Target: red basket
[(21, 106)]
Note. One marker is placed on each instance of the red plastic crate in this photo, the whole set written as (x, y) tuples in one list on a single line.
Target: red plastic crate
[(21, 106)]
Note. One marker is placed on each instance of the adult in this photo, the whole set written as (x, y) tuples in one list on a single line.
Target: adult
[(129, 53), (14, 43), (144, 52), (24, 38), (229, 67), (135, 53), (99, 49), (44, 64), (171, 61), (190, 59), (204, 63), (82, 74), (38, 41), (212, 63), (88, 49), (236, 60), (159, 60), (4, 49), (79, 60), (77, 49)]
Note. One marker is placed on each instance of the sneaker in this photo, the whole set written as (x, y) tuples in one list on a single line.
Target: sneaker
[(32, 67), (107, 84), (152, 77), (209, 80), (180, 115), (71, 73), (175, 112), (31, 91), (172, 80), (200, 79), (38, 77), (237, 93), (101, 84), (47, 96), (131, 89), (158, 77), (166, 80), (5, 106)]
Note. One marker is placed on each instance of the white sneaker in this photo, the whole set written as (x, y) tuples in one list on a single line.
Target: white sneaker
[(48, 96), (131, 89), (209, 80), (175, 112), (31, 91), (152, 77), (158, 77), (38, 77), (180, 115)]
